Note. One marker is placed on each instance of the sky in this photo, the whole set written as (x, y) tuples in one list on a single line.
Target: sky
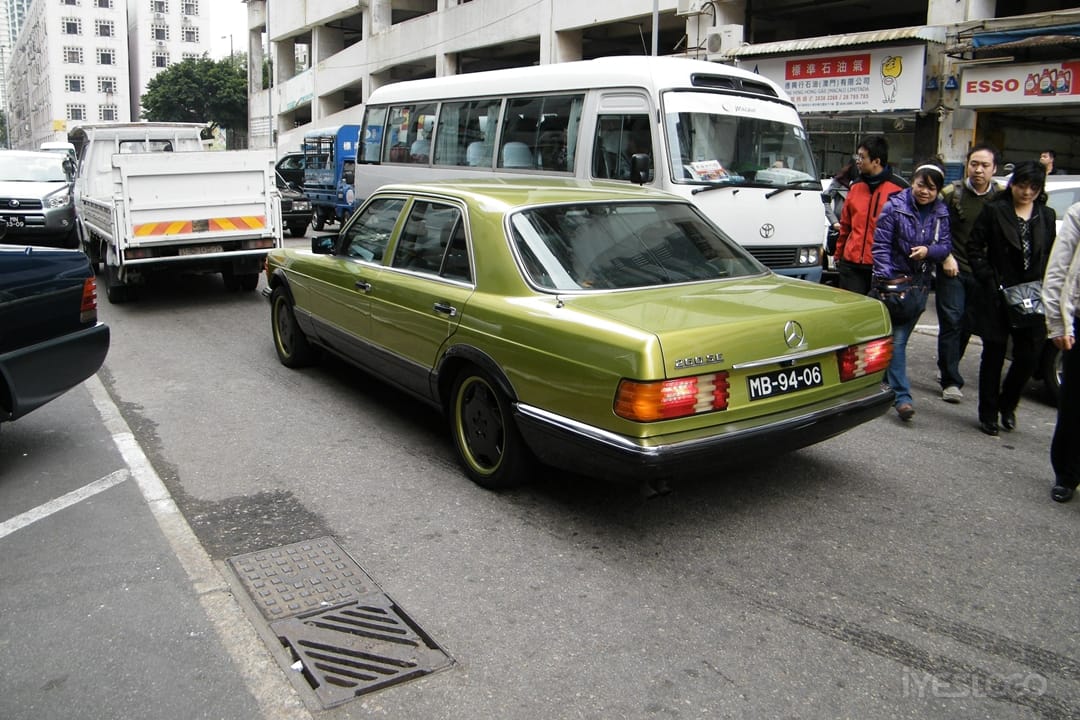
[(227, 17)]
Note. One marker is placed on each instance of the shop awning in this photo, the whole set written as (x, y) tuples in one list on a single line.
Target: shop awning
[(990, 39), (926, 33)]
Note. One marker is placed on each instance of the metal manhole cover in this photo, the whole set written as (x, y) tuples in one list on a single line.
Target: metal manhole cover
[(293, 579), (349, 637)]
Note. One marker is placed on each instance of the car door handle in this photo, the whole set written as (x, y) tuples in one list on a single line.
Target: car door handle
[(363, 285), (445, 309)]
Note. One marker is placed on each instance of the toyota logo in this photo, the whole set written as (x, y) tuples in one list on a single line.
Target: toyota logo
[(794, 335), (13, 203), (767, 230)]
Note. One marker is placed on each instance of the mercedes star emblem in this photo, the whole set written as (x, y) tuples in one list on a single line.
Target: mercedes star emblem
[(794, 335)]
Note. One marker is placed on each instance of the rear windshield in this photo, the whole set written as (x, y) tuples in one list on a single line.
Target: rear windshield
[(624, 245), (20, 168)]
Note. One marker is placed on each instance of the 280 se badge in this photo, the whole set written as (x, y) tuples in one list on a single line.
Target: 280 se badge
[(537, 316)]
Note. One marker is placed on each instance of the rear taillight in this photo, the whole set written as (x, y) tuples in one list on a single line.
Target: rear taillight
[(860, 360), (88, 310), (668, 399)]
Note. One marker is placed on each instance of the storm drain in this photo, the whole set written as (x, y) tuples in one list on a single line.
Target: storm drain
[(341, 630)]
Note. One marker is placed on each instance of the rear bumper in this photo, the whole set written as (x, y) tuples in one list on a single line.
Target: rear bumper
[(581, 448), (34, 375)]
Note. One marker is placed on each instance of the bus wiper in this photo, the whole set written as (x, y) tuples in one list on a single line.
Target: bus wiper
[(728, 181), (791, 185)]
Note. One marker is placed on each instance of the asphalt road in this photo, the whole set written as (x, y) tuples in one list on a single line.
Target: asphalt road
[(898, 571)]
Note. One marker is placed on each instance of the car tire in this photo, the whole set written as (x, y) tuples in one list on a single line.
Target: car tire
[(1052, 370), (318, 222), (487, 439), (292, 346), (296, 229)]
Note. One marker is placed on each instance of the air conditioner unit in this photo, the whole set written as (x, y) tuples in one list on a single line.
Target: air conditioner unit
[(690, 7), (719, 40)]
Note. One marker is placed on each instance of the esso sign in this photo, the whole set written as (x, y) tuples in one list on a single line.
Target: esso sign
[(992, 86)]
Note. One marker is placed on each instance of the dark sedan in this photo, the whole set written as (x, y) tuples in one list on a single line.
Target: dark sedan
[(50, 336)]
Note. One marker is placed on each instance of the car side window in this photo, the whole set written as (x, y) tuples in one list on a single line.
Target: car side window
[(367, 237), (455, 265), (425, 236)]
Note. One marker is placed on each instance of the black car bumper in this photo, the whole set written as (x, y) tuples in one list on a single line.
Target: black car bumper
[(32, 376), (584, 449)]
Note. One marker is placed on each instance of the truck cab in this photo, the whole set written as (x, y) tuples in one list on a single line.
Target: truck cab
[(330, 173)]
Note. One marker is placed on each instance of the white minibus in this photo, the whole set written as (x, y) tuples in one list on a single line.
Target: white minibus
[(729, 140)]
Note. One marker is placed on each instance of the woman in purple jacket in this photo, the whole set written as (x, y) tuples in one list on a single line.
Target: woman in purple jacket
[(912, 236)]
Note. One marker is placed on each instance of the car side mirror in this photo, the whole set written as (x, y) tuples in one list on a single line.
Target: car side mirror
[(640, 167), (350, 177), (323, 245)]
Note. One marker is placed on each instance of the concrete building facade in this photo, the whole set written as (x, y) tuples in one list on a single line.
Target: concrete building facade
[(911, 93), (159, 34)]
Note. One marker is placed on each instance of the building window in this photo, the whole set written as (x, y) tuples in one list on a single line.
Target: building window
[(107, 112), (72, 26), (103, 3), (74, 83), (191, 35), (161, 59), (160, 32), (159, 6), (191, 7), (190, 56), (76, 111), (73, 55), (105, 28), (106, 85), (105, 57), (69, 2)]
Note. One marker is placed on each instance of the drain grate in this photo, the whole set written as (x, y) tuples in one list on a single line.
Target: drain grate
[(349, 637)]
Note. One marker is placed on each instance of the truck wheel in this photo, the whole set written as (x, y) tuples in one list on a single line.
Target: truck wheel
[(488, 442), (293, 348), (231, 279), (115, 291), (318, 222), (296, 229)]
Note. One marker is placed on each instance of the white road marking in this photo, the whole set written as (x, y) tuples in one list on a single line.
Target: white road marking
[(64, 501), (277, 699)]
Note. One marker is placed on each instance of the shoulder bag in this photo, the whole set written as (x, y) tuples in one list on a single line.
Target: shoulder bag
[(1024, 305)]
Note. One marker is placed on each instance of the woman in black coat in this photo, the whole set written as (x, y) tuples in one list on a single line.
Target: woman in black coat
[(1009, 244)]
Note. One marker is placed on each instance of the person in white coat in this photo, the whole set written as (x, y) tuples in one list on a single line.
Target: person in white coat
[(1061, 301)]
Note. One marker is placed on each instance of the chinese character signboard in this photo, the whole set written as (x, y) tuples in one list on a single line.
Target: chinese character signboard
[(1049, 83), (874, 79)]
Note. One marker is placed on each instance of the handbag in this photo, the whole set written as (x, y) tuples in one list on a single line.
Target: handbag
[(1024, 305), (904, 296)]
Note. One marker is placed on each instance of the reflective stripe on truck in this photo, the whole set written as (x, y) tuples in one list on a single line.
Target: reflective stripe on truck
[(186, 227)]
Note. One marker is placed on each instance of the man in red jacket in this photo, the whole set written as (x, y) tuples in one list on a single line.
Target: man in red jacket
[(865, 199)]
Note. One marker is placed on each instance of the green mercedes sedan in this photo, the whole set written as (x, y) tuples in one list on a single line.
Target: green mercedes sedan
[(608, 330)]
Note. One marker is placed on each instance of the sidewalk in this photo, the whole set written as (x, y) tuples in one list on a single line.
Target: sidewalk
[(109, 608)]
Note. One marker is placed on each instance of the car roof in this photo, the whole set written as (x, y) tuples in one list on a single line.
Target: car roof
[(531, 191)]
